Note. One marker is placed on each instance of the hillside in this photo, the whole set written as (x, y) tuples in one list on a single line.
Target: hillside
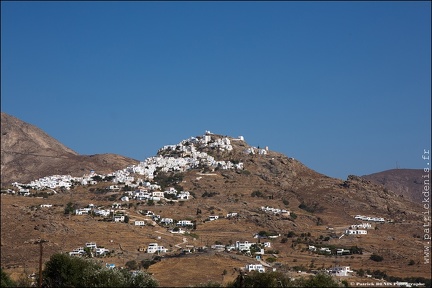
[(223, 175), (405, 182), (28, 153)]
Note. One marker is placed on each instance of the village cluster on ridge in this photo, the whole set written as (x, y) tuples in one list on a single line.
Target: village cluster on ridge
[(184, 156)]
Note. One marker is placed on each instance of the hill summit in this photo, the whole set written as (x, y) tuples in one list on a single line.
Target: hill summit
[(28, 153)]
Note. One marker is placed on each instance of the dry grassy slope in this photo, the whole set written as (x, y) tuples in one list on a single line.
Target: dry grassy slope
[(275, 176), (28, 153)]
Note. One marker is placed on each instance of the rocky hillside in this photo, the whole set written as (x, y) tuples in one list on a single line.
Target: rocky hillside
[(28, 153), (405, 182), (224, 175)]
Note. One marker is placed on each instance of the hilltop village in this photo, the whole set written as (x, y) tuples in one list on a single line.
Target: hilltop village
[(153, 183)]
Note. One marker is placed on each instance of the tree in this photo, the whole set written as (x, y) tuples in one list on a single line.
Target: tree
[(411, 262), (256, 279), (277, 279), (132, 265), (63, 270), (6, 281), (376, 258), (69, 208)]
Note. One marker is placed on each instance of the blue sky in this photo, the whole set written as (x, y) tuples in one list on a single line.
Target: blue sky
[(344, 87)]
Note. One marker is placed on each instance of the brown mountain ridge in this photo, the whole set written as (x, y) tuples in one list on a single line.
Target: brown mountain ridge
[(405, 182), (28, 153)]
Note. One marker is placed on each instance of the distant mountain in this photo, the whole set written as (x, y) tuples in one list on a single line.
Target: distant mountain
[(28, 153), (405, 182)]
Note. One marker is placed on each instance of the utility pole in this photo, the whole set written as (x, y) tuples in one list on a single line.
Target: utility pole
[(40, 260), (40, 264)]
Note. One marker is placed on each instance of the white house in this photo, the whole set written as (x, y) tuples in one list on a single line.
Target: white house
[(177, 231), (171, 190), (241, 246), (82, 211), (142, 195), (183, 195), (341, 251), (139, 223), (124, 198), (91, 245), (230, 215), (167, 221), (185, 223), (46, 205), (119, 218), (154, 247), (355, 232), (325, 250), (362, 225), (77, 252), (24, 192), (340, 271), (255, 267), (115, 205), (213, 217), (312, 248), (218, 247), (159, 194), (103, 213), (101, 251)]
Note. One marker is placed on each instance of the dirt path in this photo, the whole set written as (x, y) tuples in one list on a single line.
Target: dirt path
[(184, 241)]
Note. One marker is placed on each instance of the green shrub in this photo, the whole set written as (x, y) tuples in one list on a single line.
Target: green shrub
[(376, 258), (63, 270)]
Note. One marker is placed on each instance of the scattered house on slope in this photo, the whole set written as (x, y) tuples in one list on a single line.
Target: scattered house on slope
[(77, 252), (177, 230), (183, 195), (213, 217), (82, 211), (157, 194), (91, 245), (243, 246), (24, 192), (155, 248), (231, 215), (255, 267), (362, 225), (341, 251), (100, 251), (185, 223), (166, 221), (355, 232), (342, 271), (119, 218)]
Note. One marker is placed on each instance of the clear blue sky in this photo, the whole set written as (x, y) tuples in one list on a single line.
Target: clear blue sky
[(344, 87)]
